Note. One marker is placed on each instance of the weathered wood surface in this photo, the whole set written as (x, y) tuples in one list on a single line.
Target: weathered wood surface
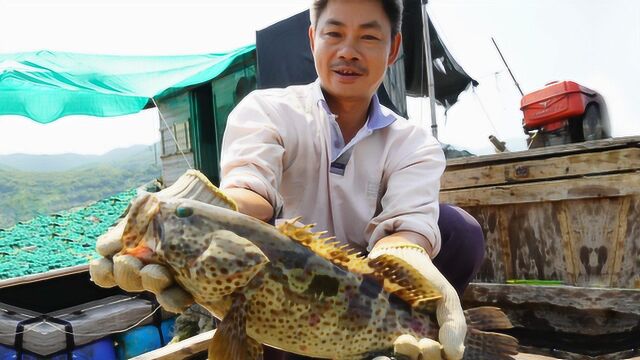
[(180, 350), (546, 152), (533, 353), (43, 276), (586, 187), (577, 310), (90, 321), (199, 344), (174, 166), (174, 109), (592, 242), (567, 166)]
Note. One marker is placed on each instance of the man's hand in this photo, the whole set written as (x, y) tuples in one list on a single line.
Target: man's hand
[(453, 327), (129, 273)]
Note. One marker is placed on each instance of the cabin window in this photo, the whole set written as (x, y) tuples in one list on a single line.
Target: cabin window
[(180, 140)]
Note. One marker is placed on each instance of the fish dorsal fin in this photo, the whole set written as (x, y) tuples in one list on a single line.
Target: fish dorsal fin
[(395, 275)]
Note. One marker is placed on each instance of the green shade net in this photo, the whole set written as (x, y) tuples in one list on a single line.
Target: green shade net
[(46, 86)]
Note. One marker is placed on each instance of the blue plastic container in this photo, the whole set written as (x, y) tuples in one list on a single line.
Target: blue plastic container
[(99, 350), (137, 341), (7, 353), (167, 330)]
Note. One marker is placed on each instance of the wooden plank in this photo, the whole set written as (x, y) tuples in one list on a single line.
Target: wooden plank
[(174, 166), (584, 242), (628, 272), (43, 276), (181, 350), (588, 146), (174, 109), (593, 226), (557, 190), (572, 165), (562, 309), (496, 266), (626, 301)]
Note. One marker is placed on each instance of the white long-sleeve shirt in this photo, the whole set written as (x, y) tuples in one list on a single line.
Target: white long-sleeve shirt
[(281, 143)]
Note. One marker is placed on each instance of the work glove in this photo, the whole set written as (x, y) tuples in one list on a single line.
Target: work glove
[(130, 273), (451, 319)]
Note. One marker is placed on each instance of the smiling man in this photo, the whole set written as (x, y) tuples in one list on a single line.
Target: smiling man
[(329, 152)]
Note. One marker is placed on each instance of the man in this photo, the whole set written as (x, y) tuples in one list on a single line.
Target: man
[(329, 152)]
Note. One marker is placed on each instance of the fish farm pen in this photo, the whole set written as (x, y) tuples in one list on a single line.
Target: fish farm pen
[(49, 308)]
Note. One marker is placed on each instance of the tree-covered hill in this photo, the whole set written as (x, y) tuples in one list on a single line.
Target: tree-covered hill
[(25, 194)]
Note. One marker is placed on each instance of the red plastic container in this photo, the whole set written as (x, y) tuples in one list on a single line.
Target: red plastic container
[(556, 101)]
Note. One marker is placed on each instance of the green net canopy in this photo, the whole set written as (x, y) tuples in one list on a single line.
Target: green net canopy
[(45, 85)]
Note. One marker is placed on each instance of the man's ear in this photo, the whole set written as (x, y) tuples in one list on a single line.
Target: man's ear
[(395, 48), (312, 33)]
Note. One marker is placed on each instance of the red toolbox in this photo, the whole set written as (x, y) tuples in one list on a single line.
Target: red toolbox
[(556, 101)]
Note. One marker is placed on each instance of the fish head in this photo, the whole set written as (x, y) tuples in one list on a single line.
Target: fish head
[(195, 241), (141, 232)]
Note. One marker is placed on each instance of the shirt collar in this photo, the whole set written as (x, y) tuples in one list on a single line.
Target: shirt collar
[(379, 117)]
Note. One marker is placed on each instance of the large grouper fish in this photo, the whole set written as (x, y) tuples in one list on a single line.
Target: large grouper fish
[(292, 289)]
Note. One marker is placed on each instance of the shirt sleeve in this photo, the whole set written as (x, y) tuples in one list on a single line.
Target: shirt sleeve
[(410, 200), (252, 151)]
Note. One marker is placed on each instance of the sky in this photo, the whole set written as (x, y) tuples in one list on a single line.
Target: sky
[(596, 43)]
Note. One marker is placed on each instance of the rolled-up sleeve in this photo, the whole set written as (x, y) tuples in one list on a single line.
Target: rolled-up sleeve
[(252, 151), (410, 199)]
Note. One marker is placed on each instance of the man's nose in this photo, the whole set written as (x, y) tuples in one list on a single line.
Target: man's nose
[(349, 50)]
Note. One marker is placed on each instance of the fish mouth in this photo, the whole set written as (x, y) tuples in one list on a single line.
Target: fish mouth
[(144, 229)]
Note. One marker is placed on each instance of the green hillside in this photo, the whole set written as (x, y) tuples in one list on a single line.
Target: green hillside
[(65, 162), (24, 195)]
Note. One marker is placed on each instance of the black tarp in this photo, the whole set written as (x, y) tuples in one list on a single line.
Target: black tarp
[(449, 78), (284, 58)]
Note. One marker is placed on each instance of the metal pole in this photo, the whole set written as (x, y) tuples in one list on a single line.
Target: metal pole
[(429, 65), (505, 64)]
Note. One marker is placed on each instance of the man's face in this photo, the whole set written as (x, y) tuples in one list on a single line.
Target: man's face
[(352, 47)]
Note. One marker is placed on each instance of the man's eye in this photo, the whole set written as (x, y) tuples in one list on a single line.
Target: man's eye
[(370, 37), (333, 34)]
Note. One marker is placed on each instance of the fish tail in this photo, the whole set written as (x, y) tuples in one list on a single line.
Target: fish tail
[(483, 344)]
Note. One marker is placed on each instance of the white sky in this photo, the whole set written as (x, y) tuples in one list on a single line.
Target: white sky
[(596, 43)]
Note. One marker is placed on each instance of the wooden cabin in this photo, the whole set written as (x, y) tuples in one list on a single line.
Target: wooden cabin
[(192, 120)]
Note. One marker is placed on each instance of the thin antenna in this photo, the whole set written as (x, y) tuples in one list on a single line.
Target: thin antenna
[(430, 83), (505, 64)]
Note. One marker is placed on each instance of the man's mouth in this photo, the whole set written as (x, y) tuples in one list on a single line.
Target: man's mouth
[(347, 72)]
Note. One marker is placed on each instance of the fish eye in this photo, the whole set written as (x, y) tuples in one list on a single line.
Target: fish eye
[(183, 212)]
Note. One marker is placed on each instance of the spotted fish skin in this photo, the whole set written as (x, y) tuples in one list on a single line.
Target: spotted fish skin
[(295, 299)]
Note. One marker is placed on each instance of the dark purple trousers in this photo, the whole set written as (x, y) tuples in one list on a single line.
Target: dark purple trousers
[(459, 259)]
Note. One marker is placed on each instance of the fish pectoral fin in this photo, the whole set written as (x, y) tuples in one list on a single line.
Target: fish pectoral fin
[(489, 345), (254, 349), (230, 341), (482, 344), (487, 318)]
